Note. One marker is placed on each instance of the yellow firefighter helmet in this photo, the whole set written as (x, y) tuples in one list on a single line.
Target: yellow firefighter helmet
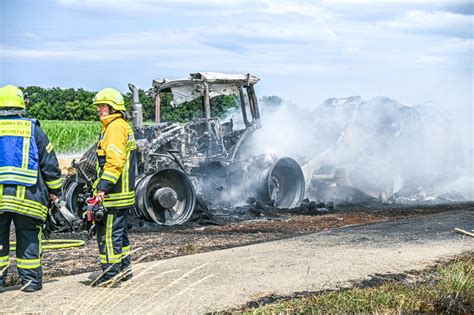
[(11, 97), (110, 97)]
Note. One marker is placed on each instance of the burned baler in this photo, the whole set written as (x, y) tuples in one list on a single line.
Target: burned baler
[(207, 156)]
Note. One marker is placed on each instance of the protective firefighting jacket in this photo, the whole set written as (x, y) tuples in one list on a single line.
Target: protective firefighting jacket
[(29, 169), (116, 162)]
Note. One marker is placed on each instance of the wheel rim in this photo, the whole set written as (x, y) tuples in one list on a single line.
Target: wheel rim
[(166, 197)]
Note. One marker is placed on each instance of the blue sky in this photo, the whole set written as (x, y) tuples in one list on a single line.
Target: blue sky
[(304, 51)]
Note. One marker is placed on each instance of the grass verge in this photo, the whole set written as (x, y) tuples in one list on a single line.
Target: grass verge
[(446, 288)]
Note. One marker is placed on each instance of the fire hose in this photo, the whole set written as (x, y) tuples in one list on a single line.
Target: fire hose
[(55, 244)]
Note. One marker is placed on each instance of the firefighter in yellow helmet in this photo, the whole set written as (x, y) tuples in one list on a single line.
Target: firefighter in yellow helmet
[(29, 176), (115, 184)]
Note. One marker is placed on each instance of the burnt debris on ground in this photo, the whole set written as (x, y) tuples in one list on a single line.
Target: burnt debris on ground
[(253, 211)]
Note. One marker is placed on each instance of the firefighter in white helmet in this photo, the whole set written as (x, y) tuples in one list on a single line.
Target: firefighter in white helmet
[(115, 184)]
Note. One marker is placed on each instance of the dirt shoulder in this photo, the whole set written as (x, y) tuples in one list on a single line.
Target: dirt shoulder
[(228, 278)]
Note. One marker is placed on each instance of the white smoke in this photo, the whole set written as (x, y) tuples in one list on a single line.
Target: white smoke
[(378, 148)]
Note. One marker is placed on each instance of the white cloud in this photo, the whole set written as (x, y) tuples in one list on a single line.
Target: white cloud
[(31, 36), (65, 54), (225, 63), (260, 31), (434, 21), (456, 46), (292, 38), (185, 53), (124, 46), (386, 1), (301, 8), (147, 5), (431, 59)]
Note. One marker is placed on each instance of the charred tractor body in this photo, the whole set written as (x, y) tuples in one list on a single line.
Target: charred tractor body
[(205, 157)]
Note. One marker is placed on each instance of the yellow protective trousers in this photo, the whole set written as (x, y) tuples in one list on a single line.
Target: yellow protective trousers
[(114, 245)]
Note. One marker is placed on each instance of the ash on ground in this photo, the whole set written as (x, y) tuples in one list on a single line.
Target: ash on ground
[(252, 211)]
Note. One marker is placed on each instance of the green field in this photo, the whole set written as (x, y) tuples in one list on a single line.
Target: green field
[(71, 136)]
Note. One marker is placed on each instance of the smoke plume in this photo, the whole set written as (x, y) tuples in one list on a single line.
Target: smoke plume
[(356, 150)]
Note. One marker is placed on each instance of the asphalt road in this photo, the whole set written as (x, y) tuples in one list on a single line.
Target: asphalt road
[(227, 278)]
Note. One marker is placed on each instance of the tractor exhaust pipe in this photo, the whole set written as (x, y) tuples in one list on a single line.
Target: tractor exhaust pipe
[(137, 112)]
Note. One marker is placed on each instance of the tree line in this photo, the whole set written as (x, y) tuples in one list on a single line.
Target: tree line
[(76, 104)]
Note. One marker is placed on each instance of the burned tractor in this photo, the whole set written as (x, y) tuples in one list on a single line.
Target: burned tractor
[(205, 157)]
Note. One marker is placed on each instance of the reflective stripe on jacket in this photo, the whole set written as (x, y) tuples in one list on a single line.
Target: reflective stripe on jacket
[(30, 200), (18, 152), (116, 162)]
